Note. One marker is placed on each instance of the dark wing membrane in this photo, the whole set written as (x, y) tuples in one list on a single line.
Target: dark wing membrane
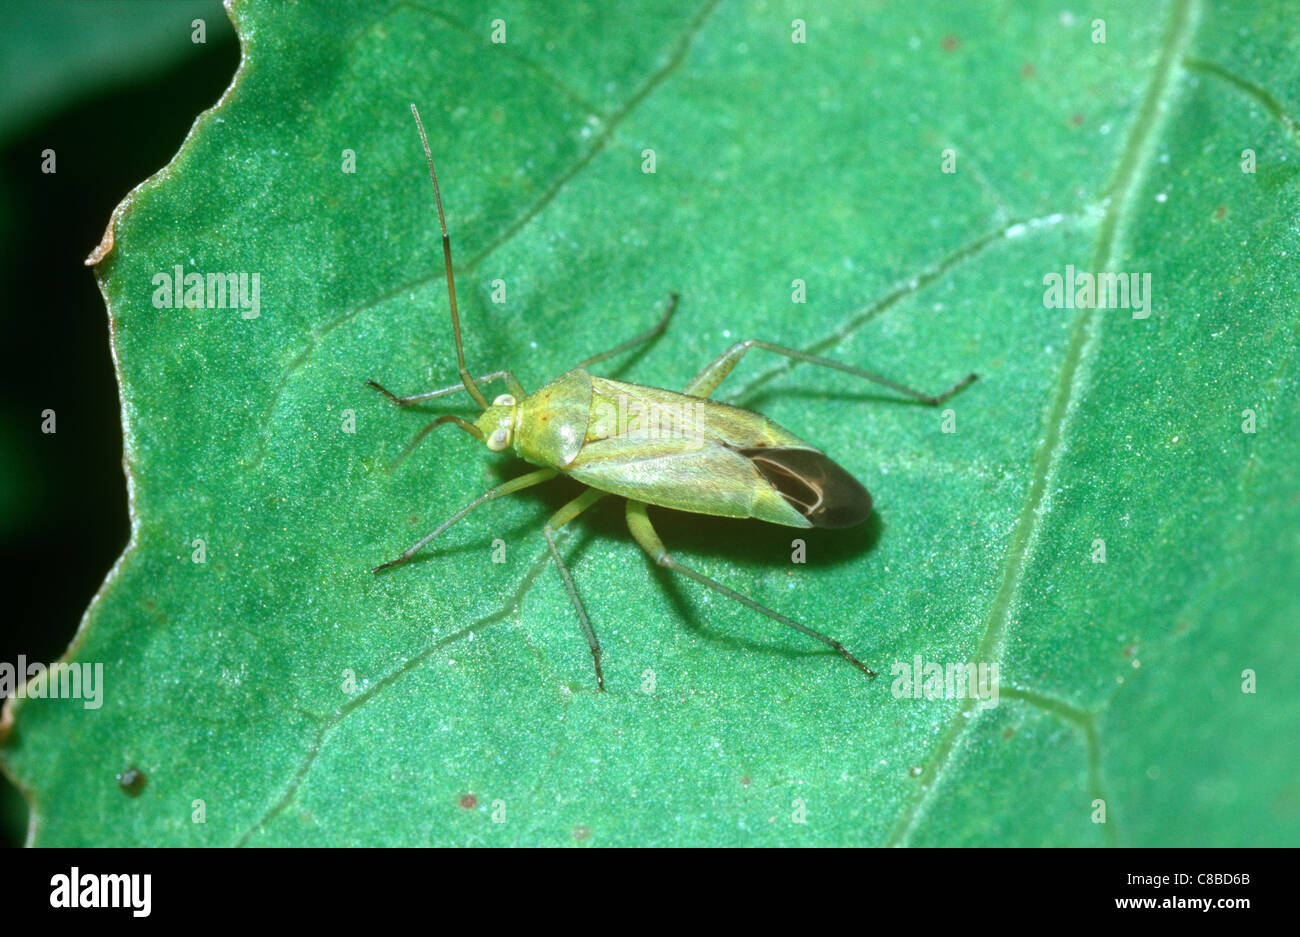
[(814, 485)]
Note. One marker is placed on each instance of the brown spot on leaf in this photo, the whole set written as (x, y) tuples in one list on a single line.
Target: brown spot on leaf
[(131, 781)]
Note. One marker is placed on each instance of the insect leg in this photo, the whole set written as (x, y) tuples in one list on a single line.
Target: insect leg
[(515, 388), (638, 521), (641, 339), (562, 517), (510, 487), (707, 381)]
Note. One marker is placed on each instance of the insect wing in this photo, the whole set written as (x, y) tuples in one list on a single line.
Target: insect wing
[(686, 474)]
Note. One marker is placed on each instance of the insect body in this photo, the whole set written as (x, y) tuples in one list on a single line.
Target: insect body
[(655, 447), (677, 451)]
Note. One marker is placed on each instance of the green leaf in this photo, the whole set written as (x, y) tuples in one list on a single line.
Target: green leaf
[(227, 681)]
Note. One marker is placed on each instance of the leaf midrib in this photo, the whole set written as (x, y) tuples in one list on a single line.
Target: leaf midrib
[(1083, 339)]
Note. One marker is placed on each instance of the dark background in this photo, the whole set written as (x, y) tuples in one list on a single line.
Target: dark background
[(112, 86)]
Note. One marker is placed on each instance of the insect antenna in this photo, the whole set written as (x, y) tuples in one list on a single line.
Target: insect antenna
[(464, 424), (451, 282)]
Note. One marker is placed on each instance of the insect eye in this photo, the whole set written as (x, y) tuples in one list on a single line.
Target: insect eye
[(499, 439), (505, 400)]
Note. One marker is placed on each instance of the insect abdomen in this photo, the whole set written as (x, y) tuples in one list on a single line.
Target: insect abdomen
[(694, 454)]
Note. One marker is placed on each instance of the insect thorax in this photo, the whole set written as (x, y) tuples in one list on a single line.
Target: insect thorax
[(552, 422)]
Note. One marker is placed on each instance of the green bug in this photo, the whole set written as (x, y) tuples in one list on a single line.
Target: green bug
[(654, 447)]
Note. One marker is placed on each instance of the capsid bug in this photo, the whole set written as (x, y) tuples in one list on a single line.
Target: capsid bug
[(654, 447)]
